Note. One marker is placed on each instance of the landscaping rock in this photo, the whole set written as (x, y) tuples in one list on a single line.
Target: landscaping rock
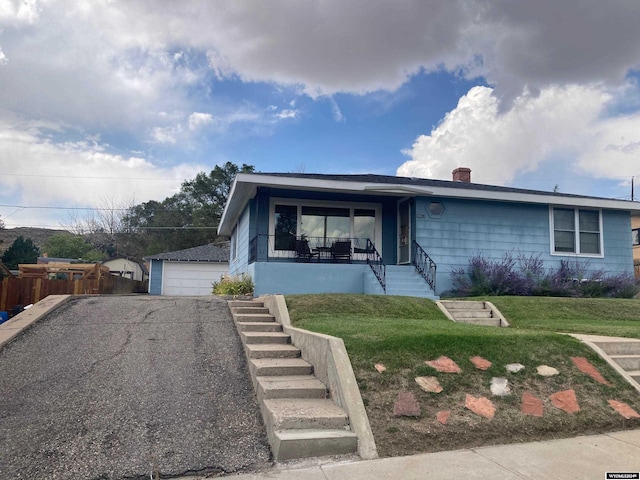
[(429, 384), (531, 405), (547, 371), (623, 409), (514, 367), (500, 387), (443, 416), (380, 367), (406, 405), (565, 400), (480, 406), (480, 363), (444, 364), (585, 366)]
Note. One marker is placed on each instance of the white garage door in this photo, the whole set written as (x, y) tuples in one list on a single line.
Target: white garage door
[(191, 278)]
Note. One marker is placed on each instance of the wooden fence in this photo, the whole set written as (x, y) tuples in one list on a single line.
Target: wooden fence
[(25, 291)]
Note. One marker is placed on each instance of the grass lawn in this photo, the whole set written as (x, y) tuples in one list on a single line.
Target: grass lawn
[(617, 317), (403, 332)]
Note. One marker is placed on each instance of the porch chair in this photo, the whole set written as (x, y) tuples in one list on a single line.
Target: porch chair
[(341, 251), (303, 252)]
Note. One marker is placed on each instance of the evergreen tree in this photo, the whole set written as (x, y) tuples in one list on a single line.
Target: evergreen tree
[(20, 251)]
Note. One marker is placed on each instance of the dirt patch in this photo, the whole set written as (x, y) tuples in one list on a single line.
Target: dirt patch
[(397, 436)]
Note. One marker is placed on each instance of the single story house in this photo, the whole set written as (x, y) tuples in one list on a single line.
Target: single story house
[(313, 233), (127, 268), (189, 272)]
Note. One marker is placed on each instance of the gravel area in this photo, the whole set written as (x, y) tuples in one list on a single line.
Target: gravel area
[(129, 387)]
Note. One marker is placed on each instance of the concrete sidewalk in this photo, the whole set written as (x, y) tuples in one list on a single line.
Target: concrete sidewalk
[(584, 458)]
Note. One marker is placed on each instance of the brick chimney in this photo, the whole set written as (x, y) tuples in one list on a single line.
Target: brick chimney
[(462, 174)]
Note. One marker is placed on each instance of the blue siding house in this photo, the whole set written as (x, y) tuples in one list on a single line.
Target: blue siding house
[(313, 233)]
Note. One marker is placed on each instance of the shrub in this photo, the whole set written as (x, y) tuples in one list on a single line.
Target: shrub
[(227, 285), (527, 276)]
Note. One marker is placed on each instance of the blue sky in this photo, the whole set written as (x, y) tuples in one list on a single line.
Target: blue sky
[(112, 103)]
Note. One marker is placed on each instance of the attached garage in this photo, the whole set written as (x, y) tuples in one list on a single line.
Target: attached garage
[(189, 272)]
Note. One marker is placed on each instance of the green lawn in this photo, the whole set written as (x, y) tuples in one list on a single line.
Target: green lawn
[(599, 316)]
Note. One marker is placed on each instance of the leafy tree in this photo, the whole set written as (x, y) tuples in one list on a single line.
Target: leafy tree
[(1, 224), (72, 246), (20, 251)]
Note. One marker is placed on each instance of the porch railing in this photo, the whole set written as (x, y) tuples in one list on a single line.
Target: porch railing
[(374, 260), (425, 266), (266, 248)]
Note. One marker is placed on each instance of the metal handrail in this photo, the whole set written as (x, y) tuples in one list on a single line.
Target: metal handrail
[(425, 266), (374, 260)]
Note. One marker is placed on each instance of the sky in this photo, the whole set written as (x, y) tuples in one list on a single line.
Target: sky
[(109, 103)]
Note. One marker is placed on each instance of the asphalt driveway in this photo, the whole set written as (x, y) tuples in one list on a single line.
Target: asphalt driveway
[(128, 387)]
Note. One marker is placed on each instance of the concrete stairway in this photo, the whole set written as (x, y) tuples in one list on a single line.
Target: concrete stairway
[(472, 312), (625, 353), (402, 280), (300, 419)]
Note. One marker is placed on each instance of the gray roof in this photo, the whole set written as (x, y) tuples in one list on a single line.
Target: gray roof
[(203, 253)]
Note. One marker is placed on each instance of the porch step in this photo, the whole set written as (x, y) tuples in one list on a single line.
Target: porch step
[(251, 309), (259, 326), (622, 347), (304, 413), (470, 314), (265, 337), (404, 280), (292, 444), (463, 304), (245, 303), (268, 350), (290, 386), (261, 367)]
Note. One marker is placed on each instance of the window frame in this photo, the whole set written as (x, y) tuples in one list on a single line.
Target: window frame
[(576, 225), (233, 244), (637, 235)]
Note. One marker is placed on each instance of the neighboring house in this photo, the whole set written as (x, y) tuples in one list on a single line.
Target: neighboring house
[(127, 268), (285, 230), (187, 272), (635, 240)]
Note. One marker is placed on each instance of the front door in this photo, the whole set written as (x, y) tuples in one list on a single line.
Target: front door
[(404, 231)]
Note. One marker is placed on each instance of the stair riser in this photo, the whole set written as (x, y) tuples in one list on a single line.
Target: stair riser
[(470, 314), (244, 303), (277, 371), (620, 348), (636, 377), (246, 310), (292, 448), (463, 305), (246, 318), (306, 423), (259, 327), (628, 363), (486, 322), (260, 354), (290, 393), (281, 340)]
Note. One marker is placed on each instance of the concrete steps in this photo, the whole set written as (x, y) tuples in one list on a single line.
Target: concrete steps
[(472, 312), (625, 353), (300, 418), (404, 280)]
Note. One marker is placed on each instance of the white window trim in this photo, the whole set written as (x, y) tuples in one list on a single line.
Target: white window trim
[(234, 242), (576, 223), (299, 203)]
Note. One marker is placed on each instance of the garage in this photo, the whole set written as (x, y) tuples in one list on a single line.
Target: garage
[(189, 272)]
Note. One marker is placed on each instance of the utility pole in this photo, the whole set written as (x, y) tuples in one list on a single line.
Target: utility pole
[(632, 197)]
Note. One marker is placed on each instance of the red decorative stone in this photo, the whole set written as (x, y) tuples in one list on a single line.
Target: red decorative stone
[(406, 405), (443, 416), (623, 409), (531, 405), (444, 364), (480, 363), (480, 406), (380, 367), (585, 366), (565, 400)]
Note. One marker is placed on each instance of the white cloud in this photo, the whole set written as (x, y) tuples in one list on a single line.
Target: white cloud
[(560, 122), (3, 58), (288, 113), (198, 119)]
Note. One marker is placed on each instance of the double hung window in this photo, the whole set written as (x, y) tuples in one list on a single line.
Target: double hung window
[(576, 231)]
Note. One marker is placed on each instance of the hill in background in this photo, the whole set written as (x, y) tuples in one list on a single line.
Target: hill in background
[(37, 235)]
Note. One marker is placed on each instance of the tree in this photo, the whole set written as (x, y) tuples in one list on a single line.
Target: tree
[(71, 246), (20, 251), (1, 224)]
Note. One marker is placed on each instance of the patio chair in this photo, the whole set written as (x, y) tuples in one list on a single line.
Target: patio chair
[(303, 252), (341, 251)]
